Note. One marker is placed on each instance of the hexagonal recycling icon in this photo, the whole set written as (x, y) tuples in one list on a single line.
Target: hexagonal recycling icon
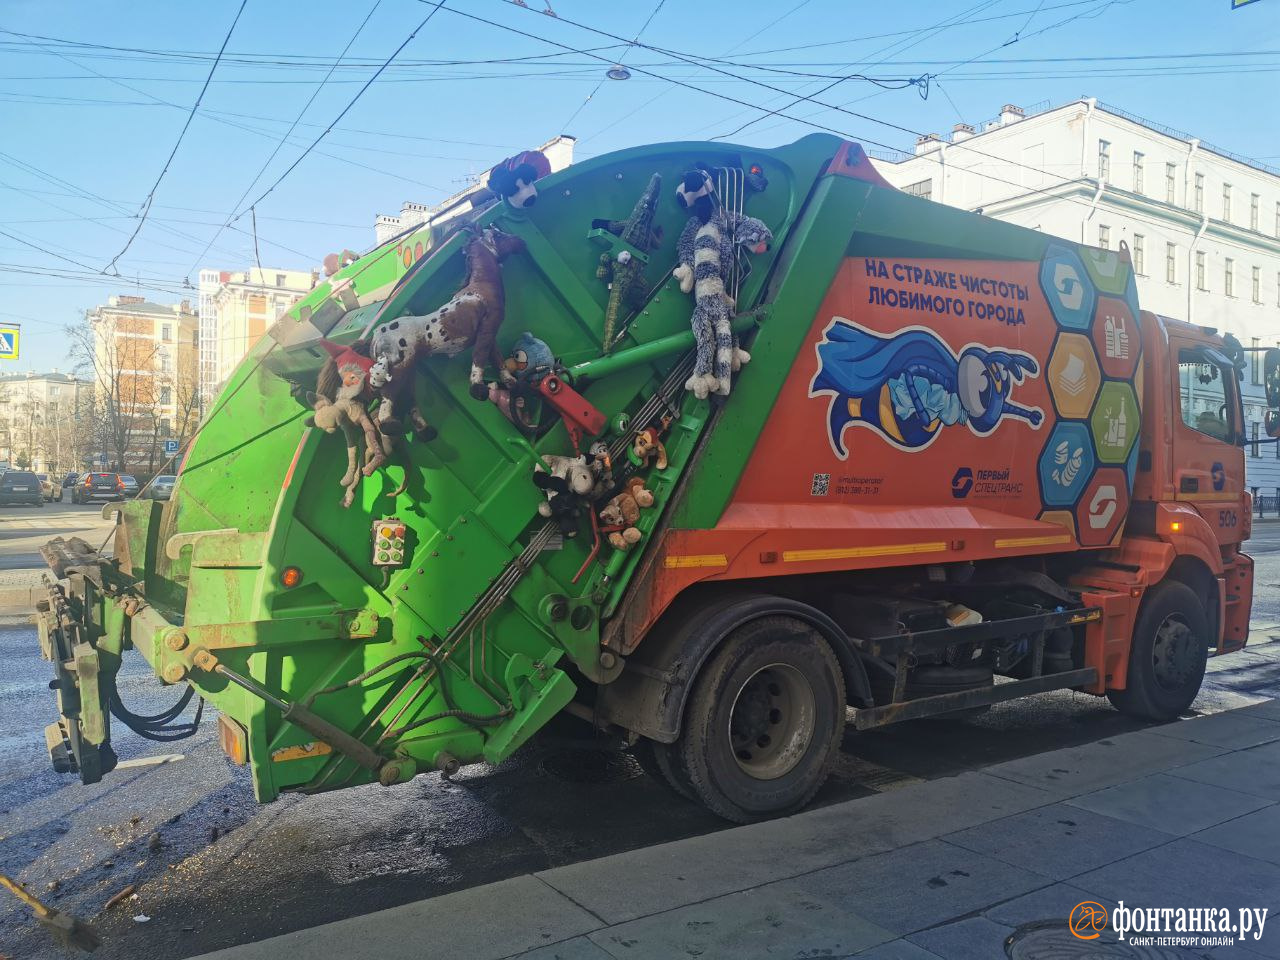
[(1066, 464), (1107, 271), (1073, 375), (1115, 422), (1115, 334), (1067, 287), (1103, 507)]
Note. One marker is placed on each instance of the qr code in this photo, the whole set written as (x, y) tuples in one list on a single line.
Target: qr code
[(821, 483)]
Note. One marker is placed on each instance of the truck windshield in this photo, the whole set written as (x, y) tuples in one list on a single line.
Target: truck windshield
[(1209, 399)]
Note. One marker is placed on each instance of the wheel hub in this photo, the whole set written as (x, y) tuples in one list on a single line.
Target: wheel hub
[(1173, 653), (772, 721)]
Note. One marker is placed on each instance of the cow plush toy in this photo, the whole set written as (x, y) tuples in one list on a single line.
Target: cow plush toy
[(513, 179)]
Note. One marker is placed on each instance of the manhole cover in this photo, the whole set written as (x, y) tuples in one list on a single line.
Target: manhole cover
[(1053, 940), (591, 766)]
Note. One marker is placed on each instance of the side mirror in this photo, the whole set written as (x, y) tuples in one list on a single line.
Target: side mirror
[(1271, 380)]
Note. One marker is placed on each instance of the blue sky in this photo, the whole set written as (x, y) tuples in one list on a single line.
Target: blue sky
[(87, 129)]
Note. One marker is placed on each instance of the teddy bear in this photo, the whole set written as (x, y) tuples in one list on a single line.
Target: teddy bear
[(623, 511), (648, 446)]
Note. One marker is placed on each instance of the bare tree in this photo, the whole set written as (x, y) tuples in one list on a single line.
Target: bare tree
[(122, 370)]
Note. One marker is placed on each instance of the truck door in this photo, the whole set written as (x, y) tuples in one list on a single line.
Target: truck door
[(1208, 467)]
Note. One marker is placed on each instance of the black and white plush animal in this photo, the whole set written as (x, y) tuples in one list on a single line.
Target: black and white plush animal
[(513, 179), (697, 192), (706, 252)]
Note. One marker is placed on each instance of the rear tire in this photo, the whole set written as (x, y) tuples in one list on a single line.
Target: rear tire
[(1168, 656), (763, 722), (660, 762)]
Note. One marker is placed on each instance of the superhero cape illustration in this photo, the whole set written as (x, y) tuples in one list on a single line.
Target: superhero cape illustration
[(909, 385)]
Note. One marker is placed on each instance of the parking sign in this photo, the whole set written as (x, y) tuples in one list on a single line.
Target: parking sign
[(170, 447)]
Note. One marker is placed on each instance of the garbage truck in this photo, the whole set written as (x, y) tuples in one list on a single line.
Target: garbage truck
[(749, 447)]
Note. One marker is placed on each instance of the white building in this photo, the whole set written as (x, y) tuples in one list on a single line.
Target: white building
[(1202, 224), (559, 154), (45, 421), (236, 308)]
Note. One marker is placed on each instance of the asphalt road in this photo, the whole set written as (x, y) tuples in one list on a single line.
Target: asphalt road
[(212, 868)]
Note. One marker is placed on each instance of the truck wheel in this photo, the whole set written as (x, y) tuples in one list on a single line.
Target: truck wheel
[(660, 762), (763, 722), (1168, 656)]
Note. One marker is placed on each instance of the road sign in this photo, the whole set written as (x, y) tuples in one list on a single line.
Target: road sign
[(170, 447), (102, 459), (9, 342)]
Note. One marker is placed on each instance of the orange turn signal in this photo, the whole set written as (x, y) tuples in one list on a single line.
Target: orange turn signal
[(1175, 526), (290, 576)]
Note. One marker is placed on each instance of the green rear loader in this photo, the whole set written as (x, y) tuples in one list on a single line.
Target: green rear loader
[(336, 654)]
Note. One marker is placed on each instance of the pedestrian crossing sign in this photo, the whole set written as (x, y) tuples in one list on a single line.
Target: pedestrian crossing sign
[(1237, 4), (9, 343)]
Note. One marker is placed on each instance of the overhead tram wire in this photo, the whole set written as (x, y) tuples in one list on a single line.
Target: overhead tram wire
[(231, 217), (928, 33), (293, 166), (622, 56), (805, 120), (146, 203), (812, 123)]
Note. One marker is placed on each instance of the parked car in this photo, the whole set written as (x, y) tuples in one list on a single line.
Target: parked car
[(130, 485), (21, 486), (68, 482), (46, 487), (161, 487), (92, 487)]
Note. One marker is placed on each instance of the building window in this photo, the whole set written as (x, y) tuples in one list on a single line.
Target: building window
[(1226, 202), (1229, 277), (1201, 283), (921, 188), (280, 278), (166, 396), (166, 332), (1255, 202), (1257, 284), (1104, 160), (1255, 361), (1170, 182), (1140, 254), (1137, 172), (1199, 208), (1104, 236), (166, 429), (1171, 263), (1253, 435)]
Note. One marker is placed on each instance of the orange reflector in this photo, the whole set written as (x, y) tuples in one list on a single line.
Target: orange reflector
[(233, 739), (290, 576), (1135, 592), (1175, 526)]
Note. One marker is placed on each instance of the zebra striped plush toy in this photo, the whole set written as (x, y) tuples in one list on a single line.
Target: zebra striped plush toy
[(706, 252)]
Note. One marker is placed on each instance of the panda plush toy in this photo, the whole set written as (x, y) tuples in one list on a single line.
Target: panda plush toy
[(697, 193), (513, 179)]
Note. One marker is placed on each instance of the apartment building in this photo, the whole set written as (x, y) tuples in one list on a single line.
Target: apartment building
[(145, 378), (45, 421)]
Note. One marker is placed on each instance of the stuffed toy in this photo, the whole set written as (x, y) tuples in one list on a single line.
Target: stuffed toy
[(647, 446), (620, 269), (568, 486), (706, 252), (470, 319), (697, 193), (341, 403), (337, 261), (516, 395), (623, 511), (513, 179), (397, 393)]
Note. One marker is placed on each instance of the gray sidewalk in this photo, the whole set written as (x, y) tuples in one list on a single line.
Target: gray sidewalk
[(1181, 815)]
